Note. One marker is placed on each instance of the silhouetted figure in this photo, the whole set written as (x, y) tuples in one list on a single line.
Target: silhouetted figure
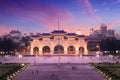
[(37, 72), (32, 72), (52, 75), (73, 67)]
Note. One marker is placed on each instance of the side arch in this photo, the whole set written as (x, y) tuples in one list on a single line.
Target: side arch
[(46, 50), (36, 51)]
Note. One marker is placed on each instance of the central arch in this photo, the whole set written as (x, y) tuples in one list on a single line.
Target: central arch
[(71, 50), (46, 50), (58, 49), (81, 50), (36, 51)]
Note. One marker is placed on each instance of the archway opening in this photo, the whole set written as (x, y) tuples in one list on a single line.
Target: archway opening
[(46, 50), (71, 50), (36, 51), (81, 50), (59, 49)]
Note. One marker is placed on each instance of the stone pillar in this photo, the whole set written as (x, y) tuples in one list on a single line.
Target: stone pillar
[(51, 52), (65, 51), (86, 51), (40, 51), (77, 51), (31, 51)]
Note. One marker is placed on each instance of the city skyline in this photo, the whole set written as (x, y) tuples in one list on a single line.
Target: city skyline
[(42, 15)]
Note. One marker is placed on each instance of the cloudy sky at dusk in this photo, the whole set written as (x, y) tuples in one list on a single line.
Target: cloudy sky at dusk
[(42, 15)]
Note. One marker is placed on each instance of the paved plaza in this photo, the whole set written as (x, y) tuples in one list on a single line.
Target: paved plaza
[(59, 67), (59, 72)]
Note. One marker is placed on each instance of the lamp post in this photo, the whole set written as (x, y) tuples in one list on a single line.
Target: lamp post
[(59, 57), (98, 47)]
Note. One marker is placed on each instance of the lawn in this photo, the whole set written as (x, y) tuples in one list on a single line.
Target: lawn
[(110, 70), (10, 70)]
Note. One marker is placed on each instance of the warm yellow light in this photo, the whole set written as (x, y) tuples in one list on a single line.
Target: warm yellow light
[(22, 64), (19, 56), (98, 46)]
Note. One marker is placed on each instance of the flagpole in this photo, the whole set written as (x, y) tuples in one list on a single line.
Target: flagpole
[(58, 46)]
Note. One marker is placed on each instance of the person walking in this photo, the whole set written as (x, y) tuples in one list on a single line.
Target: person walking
[(32, 72), (37, 72)]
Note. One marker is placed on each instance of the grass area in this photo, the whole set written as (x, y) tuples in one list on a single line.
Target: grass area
[(10, 70), (110, 70)]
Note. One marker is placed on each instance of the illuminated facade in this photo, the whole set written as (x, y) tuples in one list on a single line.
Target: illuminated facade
[(58, 42)]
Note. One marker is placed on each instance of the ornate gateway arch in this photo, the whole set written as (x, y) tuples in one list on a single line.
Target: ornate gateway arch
[(58, 42)]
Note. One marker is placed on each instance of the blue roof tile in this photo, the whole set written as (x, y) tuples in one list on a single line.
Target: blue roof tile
[(36, 36), (46, 34), (58, 31), (71, 34)]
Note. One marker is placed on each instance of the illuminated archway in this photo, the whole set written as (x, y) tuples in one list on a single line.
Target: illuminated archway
[(36, 51), (81, 50), (59, 49), (46, 50), (71, 50)]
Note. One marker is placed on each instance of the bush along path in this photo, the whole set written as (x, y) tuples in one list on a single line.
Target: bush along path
[(9, 70), (111, 71)]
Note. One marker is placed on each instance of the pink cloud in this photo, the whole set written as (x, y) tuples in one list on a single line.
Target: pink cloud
[(45, 15), (4, 29), (112, 24), (87, 7)]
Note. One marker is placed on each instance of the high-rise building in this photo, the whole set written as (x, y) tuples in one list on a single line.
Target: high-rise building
[(78, 32), (110, 33), (102, 32), (103, 29), (91, 31)]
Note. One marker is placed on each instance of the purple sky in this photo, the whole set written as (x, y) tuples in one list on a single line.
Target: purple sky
[(42, 15)]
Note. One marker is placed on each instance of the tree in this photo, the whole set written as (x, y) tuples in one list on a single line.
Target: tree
[(26, 40), (110, 45), (8, 45)]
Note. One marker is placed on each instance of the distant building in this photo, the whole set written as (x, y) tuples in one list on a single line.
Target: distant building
[(117, 36), (91, 31), (25, 34), (96, 33), (103, 29), (31, 34), (103, 32), (15, 33), (38, 33), (110, 33), (78, 32)]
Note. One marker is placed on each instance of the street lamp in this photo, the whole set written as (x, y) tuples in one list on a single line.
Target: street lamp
[(98, 47), (59, 57), (20, 56)]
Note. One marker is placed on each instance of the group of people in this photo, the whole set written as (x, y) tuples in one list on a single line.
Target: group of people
[(33, 72)]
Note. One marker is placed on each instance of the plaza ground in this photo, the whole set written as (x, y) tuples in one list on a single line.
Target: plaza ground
[(62, 72), (71, 67)]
